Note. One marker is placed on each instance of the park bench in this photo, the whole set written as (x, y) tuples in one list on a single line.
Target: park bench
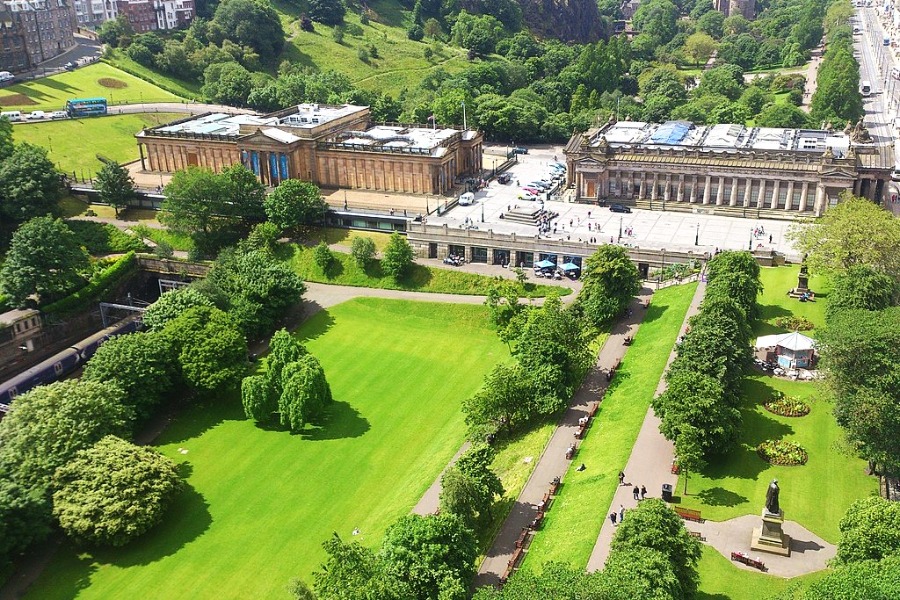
[(579, 434), (750, 562), (628, 340), (538, 519), (594, 409), (554, 486), (522, 537), (689, 514), (698, 535), (570, 452)]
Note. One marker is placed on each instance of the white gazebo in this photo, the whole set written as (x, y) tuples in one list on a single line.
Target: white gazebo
[(792, 350)]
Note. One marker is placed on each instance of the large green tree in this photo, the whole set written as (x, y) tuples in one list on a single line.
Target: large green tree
[(398, 257), (196, 205), (352, 571), (863, 287), (30, 186), (468, 488), (870, 530), (504, 401), (115, 185), (6, 139), (294, 203), (44, 260), (95, 508), (305, 393), (866, 580), (251, 23), (171, 305), (837, 97), (611, 280), (363, 250)]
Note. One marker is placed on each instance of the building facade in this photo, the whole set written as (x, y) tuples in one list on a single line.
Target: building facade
[(32, 31), (731, 169), (747, 8), (156, 15), (93, 13), (331, 146)]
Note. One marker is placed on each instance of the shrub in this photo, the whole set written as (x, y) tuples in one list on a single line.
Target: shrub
[(103, 238), (415, 33), (323, 256), (363, 55), (783, 453), (363, 250), (787, 406)]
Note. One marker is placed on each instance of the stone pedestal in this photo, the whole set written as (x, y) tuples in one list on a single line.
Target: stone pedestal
[(769, 537)]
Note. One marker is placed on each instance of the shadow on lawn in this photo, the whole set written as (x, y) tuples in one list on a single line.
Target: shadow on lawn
[(343, 421), (654, 312), (719, 496), (193, 421), (317, 325)]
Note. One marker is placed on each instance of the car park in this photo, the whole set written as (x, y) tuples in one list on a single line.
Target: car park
[(37, 114), (59, 114), (619, 208)]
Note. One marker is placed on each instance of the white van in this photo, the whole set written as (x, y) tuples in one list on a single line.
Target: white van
[(467, 199), (12, 115), (6, 76)]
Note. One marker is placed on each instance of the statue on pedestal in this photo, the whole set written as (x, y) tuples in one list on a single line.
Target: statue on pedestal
[(772, 498), (769, 537)]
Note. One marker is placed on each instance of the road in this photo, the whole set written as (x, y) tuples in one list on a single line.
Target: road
[(188, 108)]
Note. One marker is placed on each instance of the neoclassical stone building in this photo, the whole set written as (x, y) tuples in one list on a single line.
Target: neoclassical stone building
[(681, 166), (332, 146)]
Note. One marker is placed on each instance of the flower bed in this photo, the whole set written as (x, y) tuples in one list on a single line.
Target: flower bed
[(783, 453), (787, 406), (793, 323)]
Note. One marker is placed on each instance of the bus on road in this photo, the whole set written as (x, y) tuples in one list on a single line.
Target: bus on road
[(865, 88), (86, 107)]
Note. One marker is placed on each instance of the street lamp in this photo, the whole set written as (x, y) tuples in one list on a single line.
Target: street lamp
[(620, 229), (482, 212), (697, 235), (750, 245)]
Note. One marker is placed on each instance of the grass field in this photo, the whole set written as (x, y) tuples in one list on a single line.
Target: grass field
[(335, 235), (774, 301), (261, 501), (571, 528), (97, 80), (178, 241), (179, 87), (721, 580), (73, 144), (422, 279)]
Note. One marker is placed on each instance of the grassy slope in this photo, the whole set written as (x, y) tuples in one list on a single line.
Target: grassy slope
[(112, 137), (179, 87), (422, 279), (51, 93), (260, 502), (571, 528)]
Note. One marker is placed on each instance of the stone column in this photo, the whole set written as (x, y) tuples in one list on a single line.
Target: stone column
[(761, 195), (642, 191), (693, 197), (789, 201), (655, 188), (820, 200), (707, 188), (774, 203), (748, 191), (667, 191), (680, 196), (720, 196), (732, 200), (804, 192), (857, 185)]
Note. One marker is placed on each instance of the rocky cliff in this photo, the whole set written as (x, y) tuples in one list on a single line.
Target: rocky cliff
[(568, 20)]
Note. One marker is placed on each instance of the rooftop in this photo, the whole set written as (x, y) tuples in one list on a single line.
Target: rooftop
[(216, 124), (306, 116), (721, 137), (397, 138)]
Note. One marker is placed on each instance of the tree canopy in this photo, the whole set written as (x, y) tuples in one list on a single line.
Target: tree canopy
[(115, 185), (171, 305), (611, 280), (398, 256), (251, 23), (294, 203), (29, 186)]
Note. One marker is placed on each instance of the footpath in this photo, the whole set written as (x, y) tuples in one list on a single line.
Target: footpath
[(553, 462)]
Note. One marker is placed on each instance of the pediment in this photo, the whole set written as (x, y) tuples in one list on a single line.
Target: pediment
[(838, 174)]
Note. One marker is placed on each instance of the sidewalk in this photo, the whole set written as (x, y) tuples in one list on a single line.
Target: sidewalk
[(650, 461), (553, 462)]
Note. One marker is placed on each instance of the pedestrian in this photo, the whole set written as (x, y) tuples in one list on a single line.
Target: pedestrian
[(610, 239), (621, 477), (770, 238), (612, 518), (621, 513), (589, 213), (636, 491), (643, 492)]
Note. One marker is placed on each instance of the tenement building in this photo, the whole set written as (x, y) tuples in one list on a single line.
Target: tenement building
[(32, 31), (332, 146), (730, 169)]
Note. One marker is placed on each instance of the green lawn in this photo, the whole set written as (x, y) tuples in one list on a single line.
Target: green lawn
[(422, 279), (815, 495), (111, 137), (178, 241), (720, 580), (774, 301), (572, 526), (97, 80), (260, 501), (179, 87), (339, 235)]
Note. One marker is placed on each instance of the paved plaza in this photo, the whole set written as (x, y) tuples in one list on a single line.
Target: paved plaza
[(679, 231)]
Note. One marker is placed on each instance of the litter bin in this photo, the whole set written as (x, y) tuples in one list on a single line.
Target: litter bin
[(667, 492)]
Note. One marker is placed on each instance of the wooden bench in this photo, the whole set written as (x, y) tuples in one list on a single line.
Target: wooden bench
[(522, 537), (750, 562), (689, 514), (627, 341), (536, 522), (554, 486), (579, 433), (698, 535), (594, 409)]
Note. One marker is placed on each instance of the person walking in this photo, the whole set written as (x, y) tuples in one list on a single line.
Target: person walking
[(643, 492), (636, 491), (621, 513), (621, 477), (612, 518)]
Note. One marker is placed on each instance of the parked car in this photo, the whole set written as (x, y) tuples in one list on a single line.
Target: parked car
[(895, 175), (531, 190), (69, 66), (619, 208), (505, 178), (59, 114), (37, 114), (541, 185), (520, 150), (527, 196)]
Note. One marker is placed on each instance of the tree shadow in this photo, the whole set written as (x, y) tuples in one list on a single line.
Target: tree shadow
[(417, 277), (315, 326), (197, 418), (719, 496), (653, 312), (334, 269), (705, 596), (341, 421)]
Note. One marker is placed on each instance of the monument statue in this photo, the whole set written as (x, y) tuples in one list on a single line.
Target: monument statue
[(772, 498)]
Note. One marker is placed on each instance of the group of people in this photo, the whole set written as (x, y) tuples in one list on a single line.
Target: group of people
[(640, 493), (455, 260)]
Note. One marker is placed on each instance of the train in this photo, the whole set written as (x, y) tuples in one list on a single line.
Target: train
[(62, 363)]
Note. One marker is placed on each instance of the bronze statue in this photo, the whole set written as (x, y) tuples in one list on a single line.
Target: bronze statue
[(772, 498)]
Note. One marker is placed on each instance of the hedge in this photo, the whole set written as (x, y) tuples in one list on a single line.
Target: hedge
[(99, 285)]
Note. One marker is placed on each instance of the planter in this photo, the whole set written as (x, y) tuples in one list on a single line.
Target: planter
[(782, 453), (787, 406)]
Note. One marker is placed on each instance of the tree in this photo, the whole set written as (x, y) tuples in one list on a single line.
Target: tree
[(44, 260), (699, 47), (6, 139), (24, 517), (435, 555), (259, 402), (782, 115), (29, 186), (329, 12), (640, 573), (712, 24), (870, 530), (654, 525), (504, 400), (227, 83), (323, 256), (398, 256), (354, 571), (689, 452), (95, 508), (305, 393), (115, 31), (115, 185), (611, 280), (172, 305), (196, 205), (657, 19), (861, 287), (726, 80), (363, 250), (837, 97), (140, 364), (251, 23), (48, 425), (294, 203), (211, 350), (468, 488), (866, 580), (853, 232), (478, 33)]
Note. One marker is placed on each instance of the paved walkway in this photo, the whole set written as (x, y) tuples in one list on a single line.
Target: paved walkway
[(809, 552), (650, 462), (553, 463)]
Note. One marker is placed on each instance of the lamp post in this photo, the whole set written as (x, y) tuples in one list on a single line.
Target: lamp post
[(482, 212), (750, 244), (697, 235), (620, 229)]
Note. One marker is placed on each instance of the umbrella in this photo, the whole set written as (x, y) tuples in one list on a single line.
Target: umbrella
[(570, 267), (546, 264)]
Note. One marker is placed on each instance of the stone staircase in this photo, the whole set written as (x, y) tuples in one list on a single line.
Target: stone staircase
[(525, 215), (722, 211)]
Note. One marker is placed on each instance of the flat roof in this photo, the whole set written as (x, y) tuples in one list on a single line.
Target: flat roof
[(398, 136), (308, 116), (720, 137), (217, 124)]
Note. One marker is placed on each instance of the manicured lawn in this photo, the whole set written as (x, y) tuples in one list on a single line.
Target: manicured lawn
[(73, 144), (336, 235), (719, 579), (179, 87), (774, 301), (95, 81), (571, 528), (260, 501), (178, 241), (815, 495), (421, 279)]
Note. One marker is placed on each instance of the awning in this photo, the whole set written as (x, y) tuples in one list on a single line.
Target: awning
[(570, 267), (545, 264)]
